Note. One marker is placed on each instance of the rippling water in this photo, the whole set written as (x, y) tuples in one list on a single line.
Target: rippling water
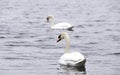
[(28, 46)]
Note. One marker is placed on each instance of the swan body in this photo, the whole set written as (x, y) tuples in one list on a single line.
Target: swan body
[(62, 25), (70, 58)]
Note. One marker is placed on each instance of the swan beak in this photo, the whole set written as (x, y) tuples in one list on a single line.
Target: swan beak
[(58, 40), (47, 19)]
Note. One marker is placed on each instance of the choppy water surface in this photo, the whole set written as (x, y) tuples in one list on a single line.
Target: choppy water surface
[(28, 46)]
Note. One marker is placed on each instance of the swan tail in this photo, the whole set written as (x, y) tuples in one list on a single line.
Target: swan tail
[(81, 63), (71, 28)]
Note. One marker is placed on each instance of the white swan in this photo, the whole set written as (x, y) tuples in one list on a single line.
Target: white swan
[(73, 58), (62, 25)]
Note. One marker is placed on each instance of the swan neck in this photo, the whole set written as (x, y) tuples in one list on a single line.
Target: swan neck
[(53, 21), (67, 44)]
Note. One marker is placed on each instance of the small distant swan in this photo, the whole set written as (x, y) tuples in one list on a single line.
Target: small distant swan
[(70, 58), (62, 25)]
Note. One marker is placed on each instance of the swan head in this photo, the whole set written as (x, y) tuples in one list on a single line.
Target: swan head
[(49, 17), (62, 36)]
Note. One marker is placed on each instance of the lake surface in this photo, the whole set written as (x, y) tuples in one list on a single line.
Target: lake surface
[(28, 46)]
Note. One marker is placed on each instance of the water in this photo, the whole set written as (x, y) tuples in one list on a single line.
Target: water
[(28, 46)]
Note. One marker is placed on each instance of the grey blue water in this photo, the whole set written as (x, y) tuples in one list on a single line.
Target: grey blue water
[(28, 46)]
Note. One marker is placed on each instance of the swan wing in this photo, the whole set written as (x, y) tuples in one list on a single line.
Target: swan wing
[(71, 58), (62, 26)]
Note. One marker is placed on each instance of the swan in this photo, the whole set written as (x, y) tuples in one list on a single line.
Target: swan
[(62, 25), (75, 59)]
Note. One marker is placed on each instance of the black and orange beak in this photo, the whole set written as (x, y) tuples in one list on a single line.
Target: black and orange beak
[(47, 19), (58, 40)]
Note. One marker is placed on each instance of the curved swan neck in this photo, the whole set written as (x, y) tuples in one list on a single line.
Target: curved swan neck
[(52, 20), (67, 43)]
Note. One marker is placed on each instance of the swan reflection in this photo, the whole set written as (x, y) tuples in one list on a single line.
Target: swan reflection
[(66, 70)]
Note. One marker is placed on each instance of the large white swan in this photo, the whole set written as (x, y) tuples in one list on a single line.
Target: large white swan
[(70, 58), (62, 25)]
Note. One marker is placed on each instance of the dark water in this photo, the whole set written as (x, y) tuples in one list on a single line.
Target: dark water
[(28, 46)]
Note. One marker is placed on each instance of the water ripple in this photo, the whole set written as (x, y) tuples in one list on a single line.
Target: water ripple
[(28, 45)]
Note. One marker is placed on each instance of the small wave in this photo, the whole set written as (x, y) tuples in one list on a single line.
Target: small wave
[(117, 54), (15, 58)]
